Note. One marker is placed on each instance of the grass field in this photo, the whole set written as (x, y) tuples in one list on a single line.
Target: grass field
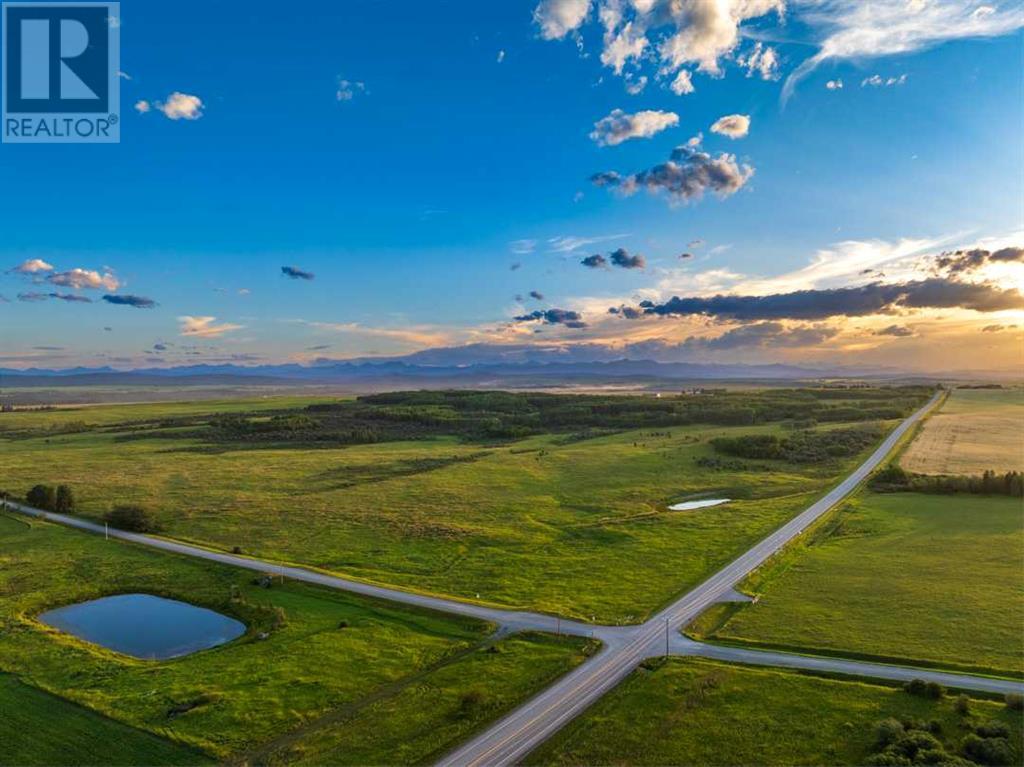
[(976, 430), (37, 728), (576, 527), (923, 578), (697, 712), (235, 699)]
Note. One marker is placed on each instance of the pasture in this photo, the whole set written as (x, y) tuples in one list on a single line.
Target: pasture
[(310, 656), (931, 579), (976, 430), (565, 511), (697, 712)]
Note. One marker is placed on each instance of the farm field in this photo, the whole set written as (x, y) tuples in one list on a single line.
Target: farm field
[(932, 579), (37, 728), (976, 430), (480, 506), (310, 655), (696, 712)]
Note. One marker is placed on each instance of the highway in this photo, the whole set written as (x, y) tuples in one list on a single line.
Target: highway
[(511, 738), (517, 734)]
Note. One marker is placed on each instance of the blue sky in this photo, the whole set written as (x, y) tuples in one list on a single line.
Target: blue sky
[(409, 155)]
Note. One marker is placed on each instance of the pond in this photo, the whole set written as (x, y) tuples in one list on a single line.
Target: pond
[(145, 626), (691, 505)]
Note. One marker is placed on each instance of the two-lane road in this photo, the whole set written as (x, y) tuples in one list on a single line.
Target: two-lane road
[(517, 734)]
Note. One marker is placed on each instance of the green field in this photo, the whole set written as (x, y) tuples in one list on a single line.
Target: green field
[(572, 522), (930, 579), (37, 728), (310, 656), (697, 712)]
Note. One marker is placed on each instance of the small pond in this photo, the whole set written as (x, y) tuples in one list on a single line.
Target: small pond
[(145, 626), (691, 505)]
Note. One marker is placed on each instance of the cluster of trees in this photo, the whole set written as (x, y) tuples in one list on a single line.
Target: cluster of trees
[(805, 446), (904, 742), (894, 478), (132, 518), (48, 498), (496, 415)]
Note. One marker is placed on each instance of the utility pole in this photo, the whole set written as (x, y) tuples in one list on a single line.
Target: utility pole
[(106, 531)]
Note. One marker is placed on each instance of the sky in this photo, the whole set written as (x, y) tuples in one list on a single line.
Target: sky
[(803, 181)]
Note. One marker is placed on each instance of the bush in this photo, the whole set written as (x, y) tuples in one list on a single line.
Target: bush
[(962, 705), (888, 731), (1014, 702), (992, 730), (65, 500), (991, 751), (132, 518), (42, 497), (470, 703), (923, 689)]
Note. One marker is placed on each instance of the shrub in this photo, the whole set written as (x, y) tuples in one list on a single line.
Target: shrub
[(132, 518), (991, 751), (888, 731), (992, 730), (470, 703), (65, 500), (42, 497), (962, 705), (923, 689), (1014, 702)]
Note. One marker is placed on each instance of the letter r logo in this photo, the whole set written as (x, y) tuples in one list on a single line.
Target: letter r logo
[(56, 58)]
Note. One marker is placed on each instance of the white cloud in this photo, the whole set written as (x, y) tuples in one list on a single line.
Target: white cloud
[(557, 18), (862, 30), (124, 75), (569, 243), (522, 247), (733, 126), (84, 278), (683, 83), (142, 106), (877, 81), (672, 33), (618, 126), (181, 106), (635, 85), (834, 85), (762, 60), (501, 56), (349, 89), (33, 266), (205, 327)]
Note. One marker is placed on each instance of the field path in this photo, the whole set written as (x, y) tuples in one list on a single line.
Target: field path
[(511, 738)]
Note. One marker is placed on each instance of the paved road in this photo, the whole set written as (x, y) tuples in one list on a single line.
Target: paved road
[(517, 734), (514, 736)]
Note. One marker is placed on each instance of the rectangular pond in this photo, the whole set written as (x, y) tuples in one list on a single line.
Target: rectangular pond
[(145, 626)]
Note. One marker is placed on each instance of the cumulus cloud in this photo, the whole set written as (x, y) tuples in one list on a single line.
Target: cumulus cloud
[(296, 273), (763, 334), (760, 60), (834, 85), (179, 106), (205, 327), (619, 126), (733, 126), (853, 29), (349, 89), (875, 298), (595, 261), (557, 18), (682, 83), (142, 106), (32, 266), (624, 260), (687, 175), (671, 33), (963, 261), (877, 81), (536, 295), (553, 317), (898, 331), (138, 302), (84, 278)]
